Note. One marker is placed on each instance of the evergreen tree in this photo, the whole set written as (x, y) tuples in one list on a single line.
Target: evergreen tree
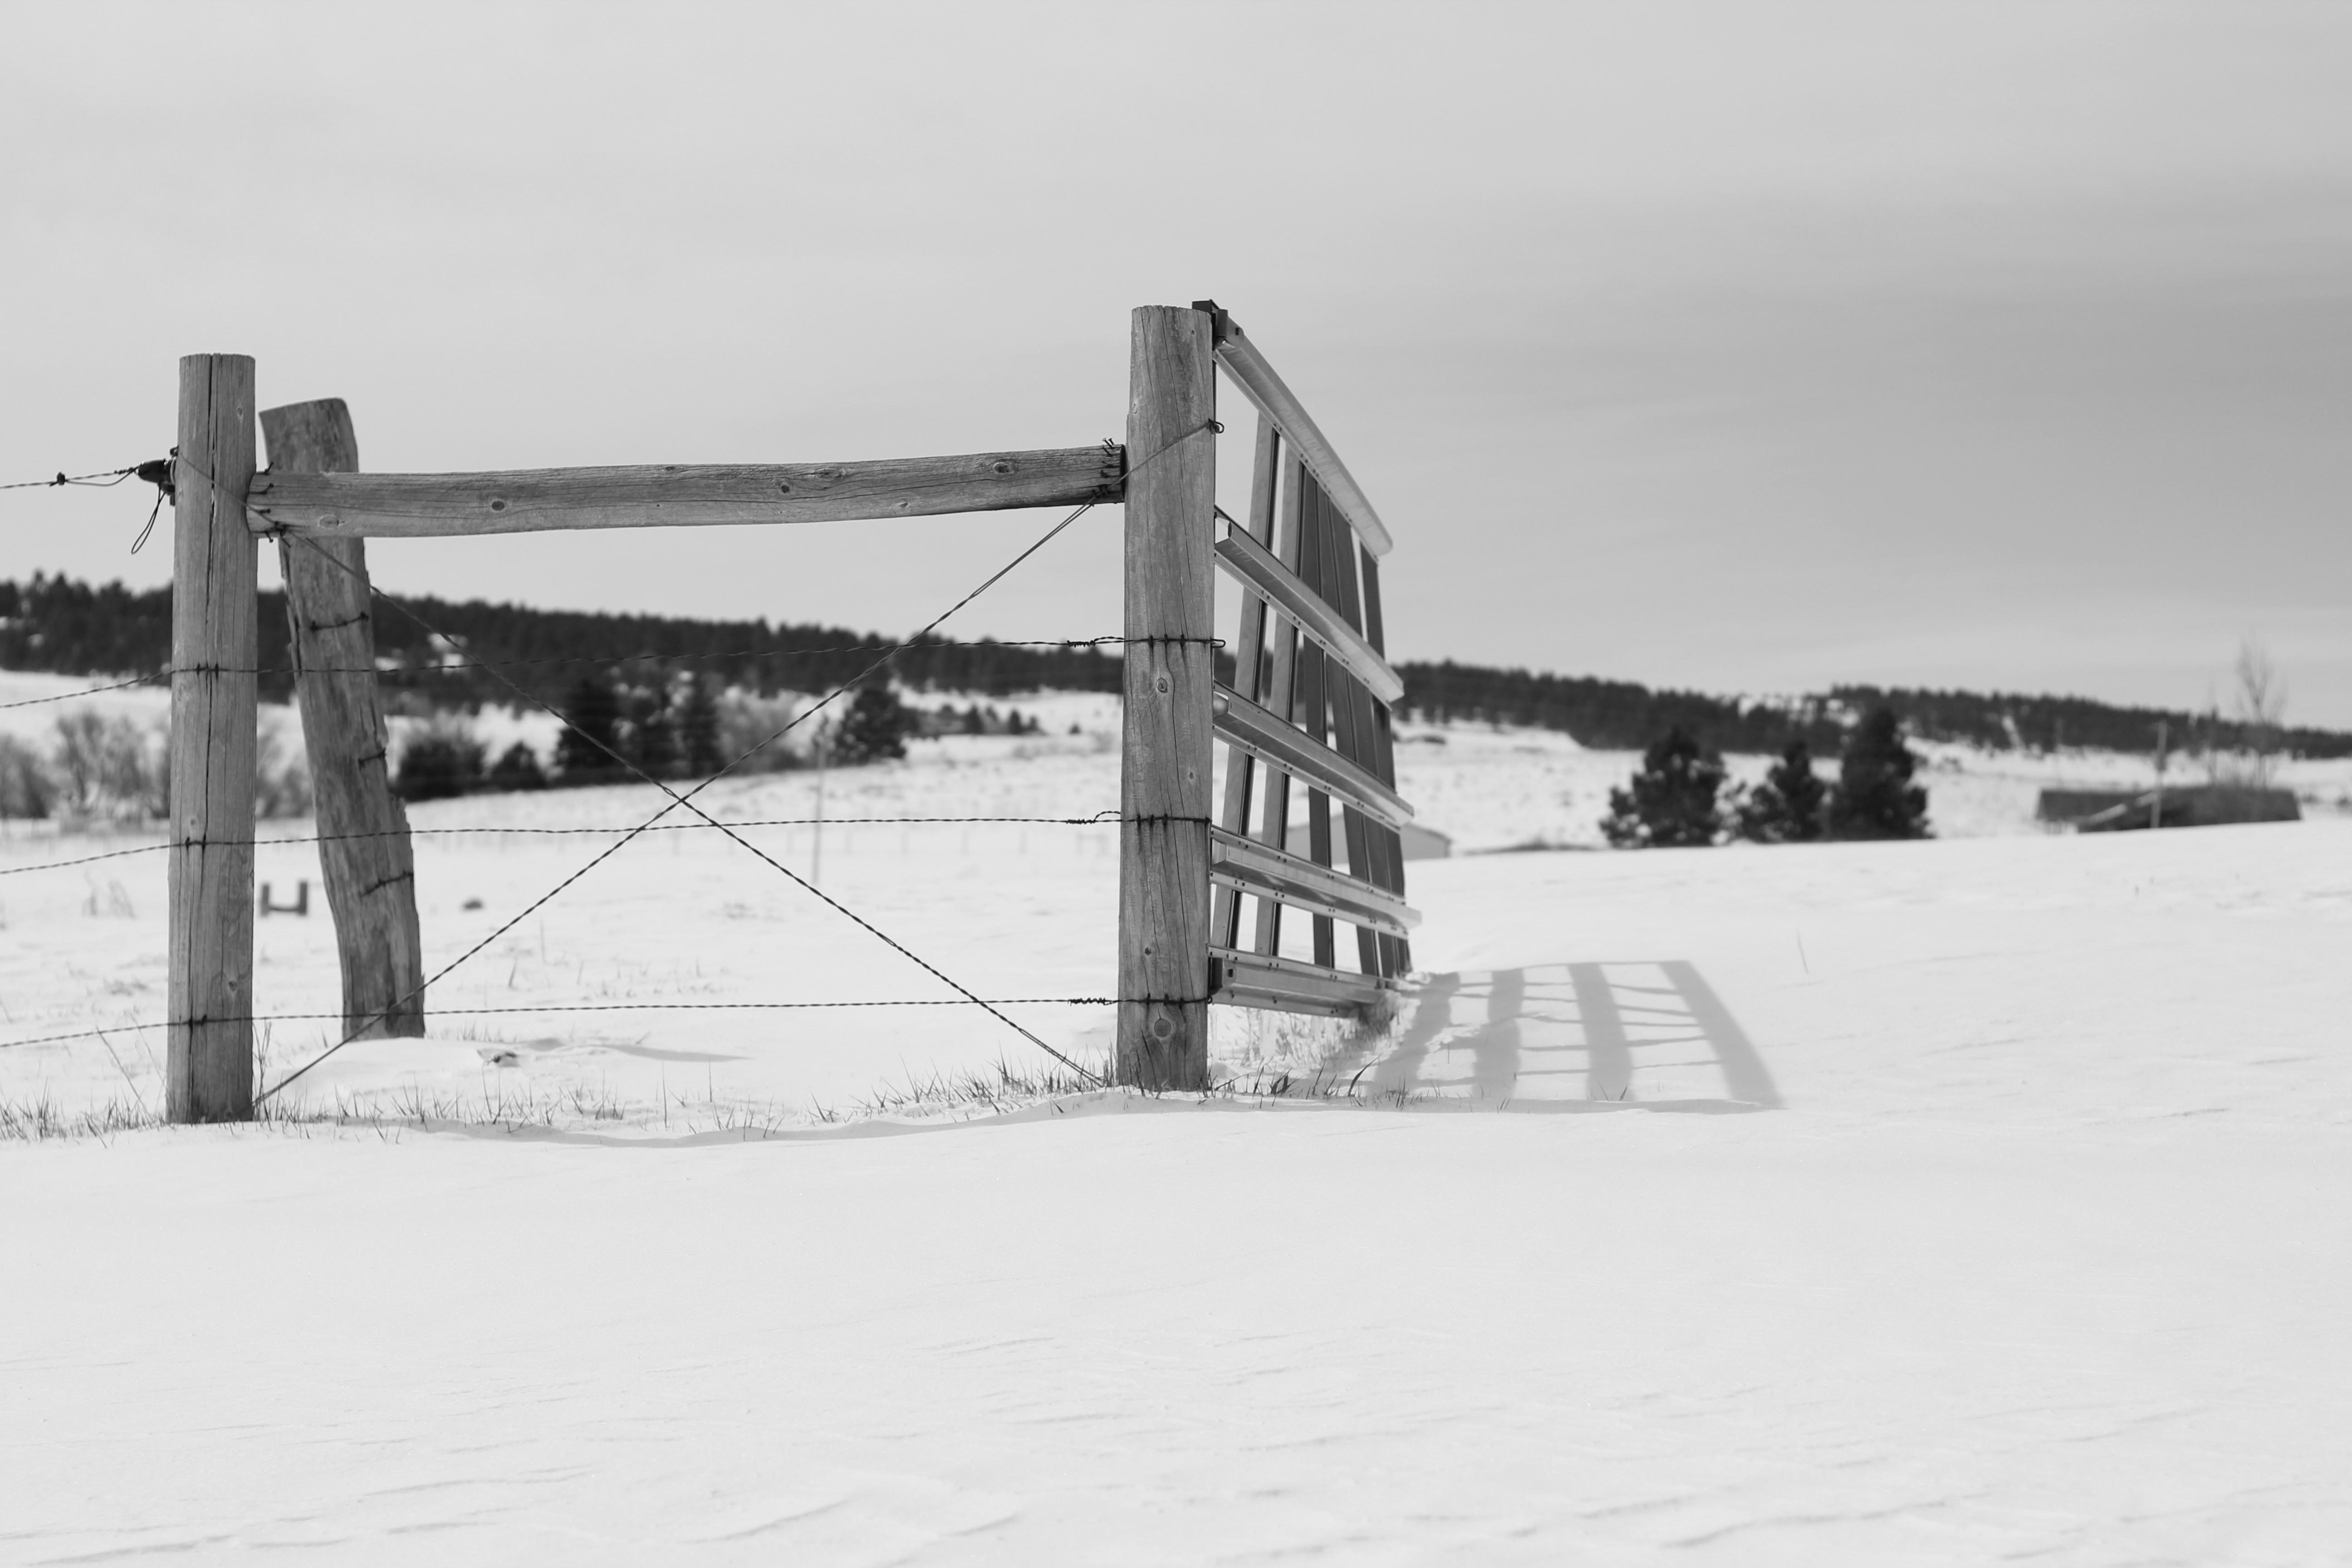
[(1671, 803), (1874, 797), (652, 731), (517, 768), (697, 730), (1786, 808), (873, 730), (440, 760), (595, 711)]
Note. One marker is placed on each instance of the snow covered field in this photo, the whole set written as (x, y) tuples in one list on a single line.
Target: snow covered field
[(1929, 1202)]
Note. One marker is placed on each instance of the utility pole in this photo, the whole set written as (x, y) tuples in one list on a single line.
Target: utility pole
[(2156, 802)]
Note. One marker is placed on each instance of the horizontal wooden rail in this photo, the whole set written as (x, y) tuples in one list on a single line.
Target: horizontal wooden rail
[(1254, 567), (1259, 383), (417, 506), (1305, 758), (1287, 985), (1249, 867)]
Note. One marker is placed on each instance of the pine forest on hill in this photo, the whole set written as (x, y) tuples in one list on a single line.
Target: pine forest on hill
[(64, 627)]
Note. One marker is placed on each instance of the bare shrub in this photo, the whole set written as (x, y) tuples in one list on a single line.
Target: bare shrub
[(2259, 707), (26, 787), (111, 769), (2257, 712), (111, 902), (281, 781), (745, 720)]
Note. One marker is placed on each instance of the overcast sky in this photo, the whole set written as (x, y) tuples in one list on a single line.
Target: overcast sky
[(1744, 347)]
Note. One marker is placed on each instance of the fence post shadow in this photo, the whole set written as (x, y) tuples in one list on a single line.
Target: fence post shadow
[(1608, 1054), (1525, 1023), (1743, 1067)]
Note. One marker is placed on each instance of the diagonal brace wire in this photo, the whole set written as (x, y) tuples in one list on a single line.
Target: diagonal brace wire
[(685, 800)]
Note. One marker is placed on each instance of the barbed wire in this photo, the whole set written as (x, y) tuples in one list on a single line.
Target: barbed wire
[(967, 997), (1097, 819), (678, 800), (604, 1008), (156, 471), (83, 859), (99, 480), (872, 644), (89, 692), (405, 671)]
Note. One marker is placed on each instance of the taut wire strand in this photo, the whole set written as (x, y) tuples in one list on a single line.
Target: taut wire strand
[(89, 692), (97, 481), (652, 822), (1097, 820), (678, 800), (642, 1008)]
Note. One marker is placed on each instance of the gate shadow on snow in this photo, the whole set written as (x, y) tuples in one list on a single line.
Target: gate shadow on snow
[(1572, 1037)]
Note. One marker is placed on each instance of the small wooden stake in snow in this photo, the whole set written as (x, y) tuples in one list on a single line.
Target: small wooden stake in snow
[(1166, 753), (367, 858), (208, 1062)]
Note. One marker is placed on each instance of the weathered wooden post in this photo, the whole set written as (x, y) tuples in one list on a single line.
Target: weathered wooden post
[(365, 856), (1171, 673), (208, 1034)]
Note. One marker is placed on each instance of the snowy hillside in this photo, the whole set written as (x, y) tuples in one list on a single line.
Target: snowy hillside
[(1931, 1202), (1905, 1202)]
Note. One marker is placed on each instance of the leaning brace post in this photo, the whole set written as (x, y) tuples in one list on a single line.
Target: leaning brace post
[(1166, 756), (365, 856), (208, 1064)]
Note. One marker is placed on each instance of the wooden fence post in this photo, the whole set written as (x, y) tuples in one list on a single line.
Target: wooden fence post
[(1166, 757), (208, 1032), (366, 857)]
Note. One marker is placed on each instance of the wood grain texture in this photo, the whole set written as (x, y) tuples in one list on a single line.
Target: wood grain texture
[(1249, 660), (367, 860), (1259, 383), (1166, 754), (417, 506), (208, 1029)]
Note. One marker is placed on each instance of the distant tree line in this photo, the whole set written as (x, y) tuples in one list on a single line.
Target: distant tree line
[(675, 730), (1607, 715), (1620, 715), (60, 624), (681, 729)]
